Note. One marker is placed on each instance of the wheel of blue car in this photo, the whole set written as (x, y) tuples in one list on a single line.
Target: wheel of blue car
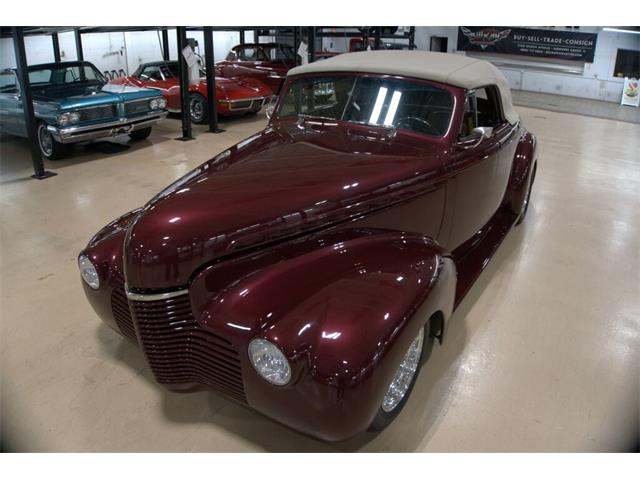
[(49, 148), (403, 380), (197, 108)]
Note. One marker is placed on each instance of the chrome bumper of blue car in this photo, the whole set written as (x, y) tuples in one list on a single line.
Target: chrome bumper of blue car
[(109, 129)]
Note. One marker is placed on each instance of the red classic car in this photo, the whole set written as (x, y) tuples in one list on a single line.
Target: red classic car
[(236, 95), (268, 62), (306, 271)]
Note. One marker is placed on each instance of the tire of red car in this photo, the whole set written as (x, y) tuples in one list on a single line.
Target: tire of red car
[(198, 108)]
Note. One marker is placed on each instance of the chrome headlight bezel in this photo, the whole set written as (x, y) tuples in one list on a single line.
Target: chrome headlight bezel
[(269, 362), (88, 272), (157, 103), (68, 118)]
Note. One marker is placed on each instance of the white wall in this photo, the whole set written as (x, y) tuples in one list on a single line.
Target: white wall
[(114, 51)]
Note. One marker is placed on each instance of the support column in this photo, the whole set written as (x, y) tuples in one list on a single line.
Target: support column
[(181, 33), (165, 45), (212, 101), (79, 52), (312, 44), (241, 36), (296, 44), (27, 105), (376, 41), (56, 47)]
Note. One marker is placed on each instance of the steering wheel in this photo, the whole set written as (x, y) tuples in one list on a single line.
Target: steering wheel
[(410, 122)]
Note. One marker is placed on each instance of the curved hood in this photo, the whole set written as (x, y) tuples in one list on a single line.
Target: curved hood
[(276, 184), (69, 96), (235, 88)]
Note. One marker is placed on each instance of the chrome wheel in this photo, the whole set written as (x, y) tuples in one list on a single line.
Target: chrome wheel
[(45, 140), (196, 109), (403, 377)]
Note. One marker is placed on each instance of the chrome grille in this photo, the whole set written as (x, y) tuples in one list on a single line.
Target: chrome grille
[(97, 113), (179, 350), (137, 106), (122, 314), (240, 105)]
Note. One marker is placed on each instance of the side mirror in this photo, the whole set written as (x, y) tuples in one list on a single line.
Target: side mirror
[(271, 106), (482, 132), (478, 134)]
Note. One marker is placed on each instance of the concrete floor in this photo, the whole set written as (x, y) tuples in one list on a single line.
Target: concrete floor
[(543, 354)]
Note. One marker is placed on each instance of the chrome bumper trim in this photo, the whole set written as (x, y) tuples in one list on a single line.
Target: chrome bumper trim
[(254, 102), (110, 129), (153, 297)]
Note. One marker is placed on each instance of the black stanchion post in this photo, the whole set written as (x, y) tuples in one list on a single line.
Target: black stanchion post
[(376, 44), (296, 44), (212, 102), (181, 33), (27, 105), (312, 44), (56, 46), (79, 52), (165, 45)]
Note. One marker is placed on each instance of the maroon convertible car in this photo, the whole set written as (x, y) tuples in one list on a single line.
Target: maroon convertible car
[(306, 271)]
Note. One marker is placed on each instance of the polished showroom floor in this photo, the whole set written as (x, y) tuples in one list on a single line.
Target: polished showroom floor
[(543, 354)]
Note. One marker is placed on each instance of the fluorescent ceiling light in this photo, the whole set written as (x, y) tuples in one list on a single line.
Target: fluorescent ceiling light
[(621, 30), (391, 112), (377, 108)]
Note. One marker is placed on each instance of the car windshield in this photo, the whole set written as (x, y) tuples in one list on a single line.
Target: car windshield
[(170, 70), (383, 101), (65, 75), (8, 82), (281, 52)]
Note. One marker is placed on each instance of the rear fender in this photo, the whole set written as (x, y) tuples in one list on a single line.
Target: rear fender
[(521, 171)]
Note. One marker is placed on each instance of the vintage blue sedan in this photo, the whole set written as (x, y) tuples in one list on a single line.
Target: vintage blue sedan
[(73, 103)]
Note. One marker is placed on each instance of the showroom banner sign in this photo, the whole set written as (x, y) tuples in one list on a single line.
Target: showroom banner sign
[(566, 45)]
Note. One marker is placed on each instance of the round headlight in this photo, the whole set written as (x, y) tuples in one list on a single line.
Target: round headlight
[(162, 103), (153, 104), (63, 119), (269, 362), (88, 272), (74, 117)]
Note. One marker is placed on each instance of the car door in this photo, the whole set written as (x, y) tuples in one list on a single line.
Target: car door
[(11, 112), (475, 190)]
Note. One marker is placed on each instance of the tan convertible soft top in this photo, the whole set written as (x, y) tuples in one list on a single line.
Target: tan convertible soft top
[(458, 70)]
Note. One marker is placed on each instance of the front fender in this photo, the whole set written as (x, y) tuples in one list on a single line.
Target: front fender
[(46, 111), (344, 315)]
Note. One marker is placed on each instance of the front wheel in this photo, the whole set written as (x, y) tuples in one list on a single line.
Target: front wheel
[(198, 108), (140, 134), (403, 381), (49, 147)]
